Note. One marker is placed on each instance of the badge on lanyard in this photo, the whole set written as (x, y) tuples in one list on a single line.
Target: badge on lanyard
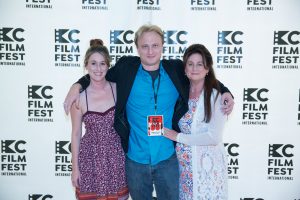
[(155, 122), (155, 125)]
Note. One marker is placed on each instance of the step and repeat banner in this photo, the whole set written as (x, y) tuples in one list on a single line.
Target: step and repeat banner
[(255, 45)]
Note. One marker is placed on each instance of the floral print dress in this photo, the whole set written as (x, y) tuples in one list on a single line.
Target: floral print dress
[(209, 180)]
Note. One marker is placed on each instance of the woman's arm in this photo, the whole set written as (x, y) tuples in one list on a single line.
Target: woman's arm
[(209, 134), (76, 117)]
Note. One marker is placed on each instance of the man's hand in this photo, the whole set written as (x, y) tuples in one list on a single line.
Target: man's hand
[(171, 134), (72, 96), (227, 103)]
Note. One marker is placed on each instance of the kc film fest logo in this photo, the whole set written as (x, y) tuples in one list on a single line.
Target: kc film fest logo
[(259, 5), (233, 160), (12, 49), (46, 4), (280, 162), (40, 105), (67, 51), (175, 44), (94, 5), (229, 49), (255, 107), (286, 50), (13, 158), (63, 159), (121, 44), (200, 5), (39, 196), (148, 5)]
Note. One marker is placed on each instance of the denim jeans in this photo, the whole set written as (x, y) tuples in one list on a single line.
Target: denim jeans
[(164, 176)]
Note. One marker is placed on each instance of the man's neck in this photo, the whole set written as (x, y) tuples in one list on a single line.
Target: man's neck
[(150, 68)]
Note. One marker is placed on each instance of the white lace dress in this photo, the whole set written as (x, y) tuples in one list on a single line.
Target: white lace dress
[(201, 153)]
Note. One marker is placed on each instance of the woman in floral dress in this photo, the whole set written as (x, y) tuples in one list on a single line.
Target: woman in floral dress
[(200, 150), (98, 160)]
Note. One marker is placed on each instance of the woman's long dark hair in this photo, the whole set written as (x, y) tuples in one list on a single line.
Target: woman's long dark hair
[(210, 79)]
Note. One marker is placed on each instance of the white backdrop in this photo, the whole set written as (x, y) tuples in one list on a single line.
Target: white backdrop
[(255, 45)]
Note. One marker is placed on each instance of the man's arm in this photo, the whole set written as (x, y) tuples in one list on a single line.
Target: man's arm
[(73, 94), (223, 88), (227, 99), (84, 82)]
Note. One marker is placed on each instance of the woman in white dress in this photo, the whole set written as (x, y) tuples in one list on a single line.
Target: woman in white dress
[(200, 150)]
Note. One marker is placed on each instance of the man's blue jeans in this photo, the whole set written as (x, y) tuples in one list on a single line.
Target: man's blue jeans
[(164, 176)]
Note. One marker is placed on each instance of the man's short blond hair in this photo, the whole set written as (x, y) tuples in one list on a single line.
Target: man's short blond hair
[(148, 28)]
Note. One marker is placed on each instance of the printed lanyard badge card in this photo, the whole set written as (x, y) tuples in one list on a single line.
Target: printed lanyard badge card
[(155, 125)]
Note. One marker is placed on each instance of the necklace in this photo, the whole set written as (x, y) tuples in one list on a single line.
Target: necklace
[(194, 93)]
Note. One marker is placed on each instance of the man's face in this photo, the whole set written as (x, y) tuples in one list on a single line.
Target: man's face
[(150, 48)]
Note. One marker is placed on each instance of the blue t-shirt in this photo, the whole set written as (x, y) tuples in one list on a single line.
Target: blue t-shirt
[(143, 148)]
